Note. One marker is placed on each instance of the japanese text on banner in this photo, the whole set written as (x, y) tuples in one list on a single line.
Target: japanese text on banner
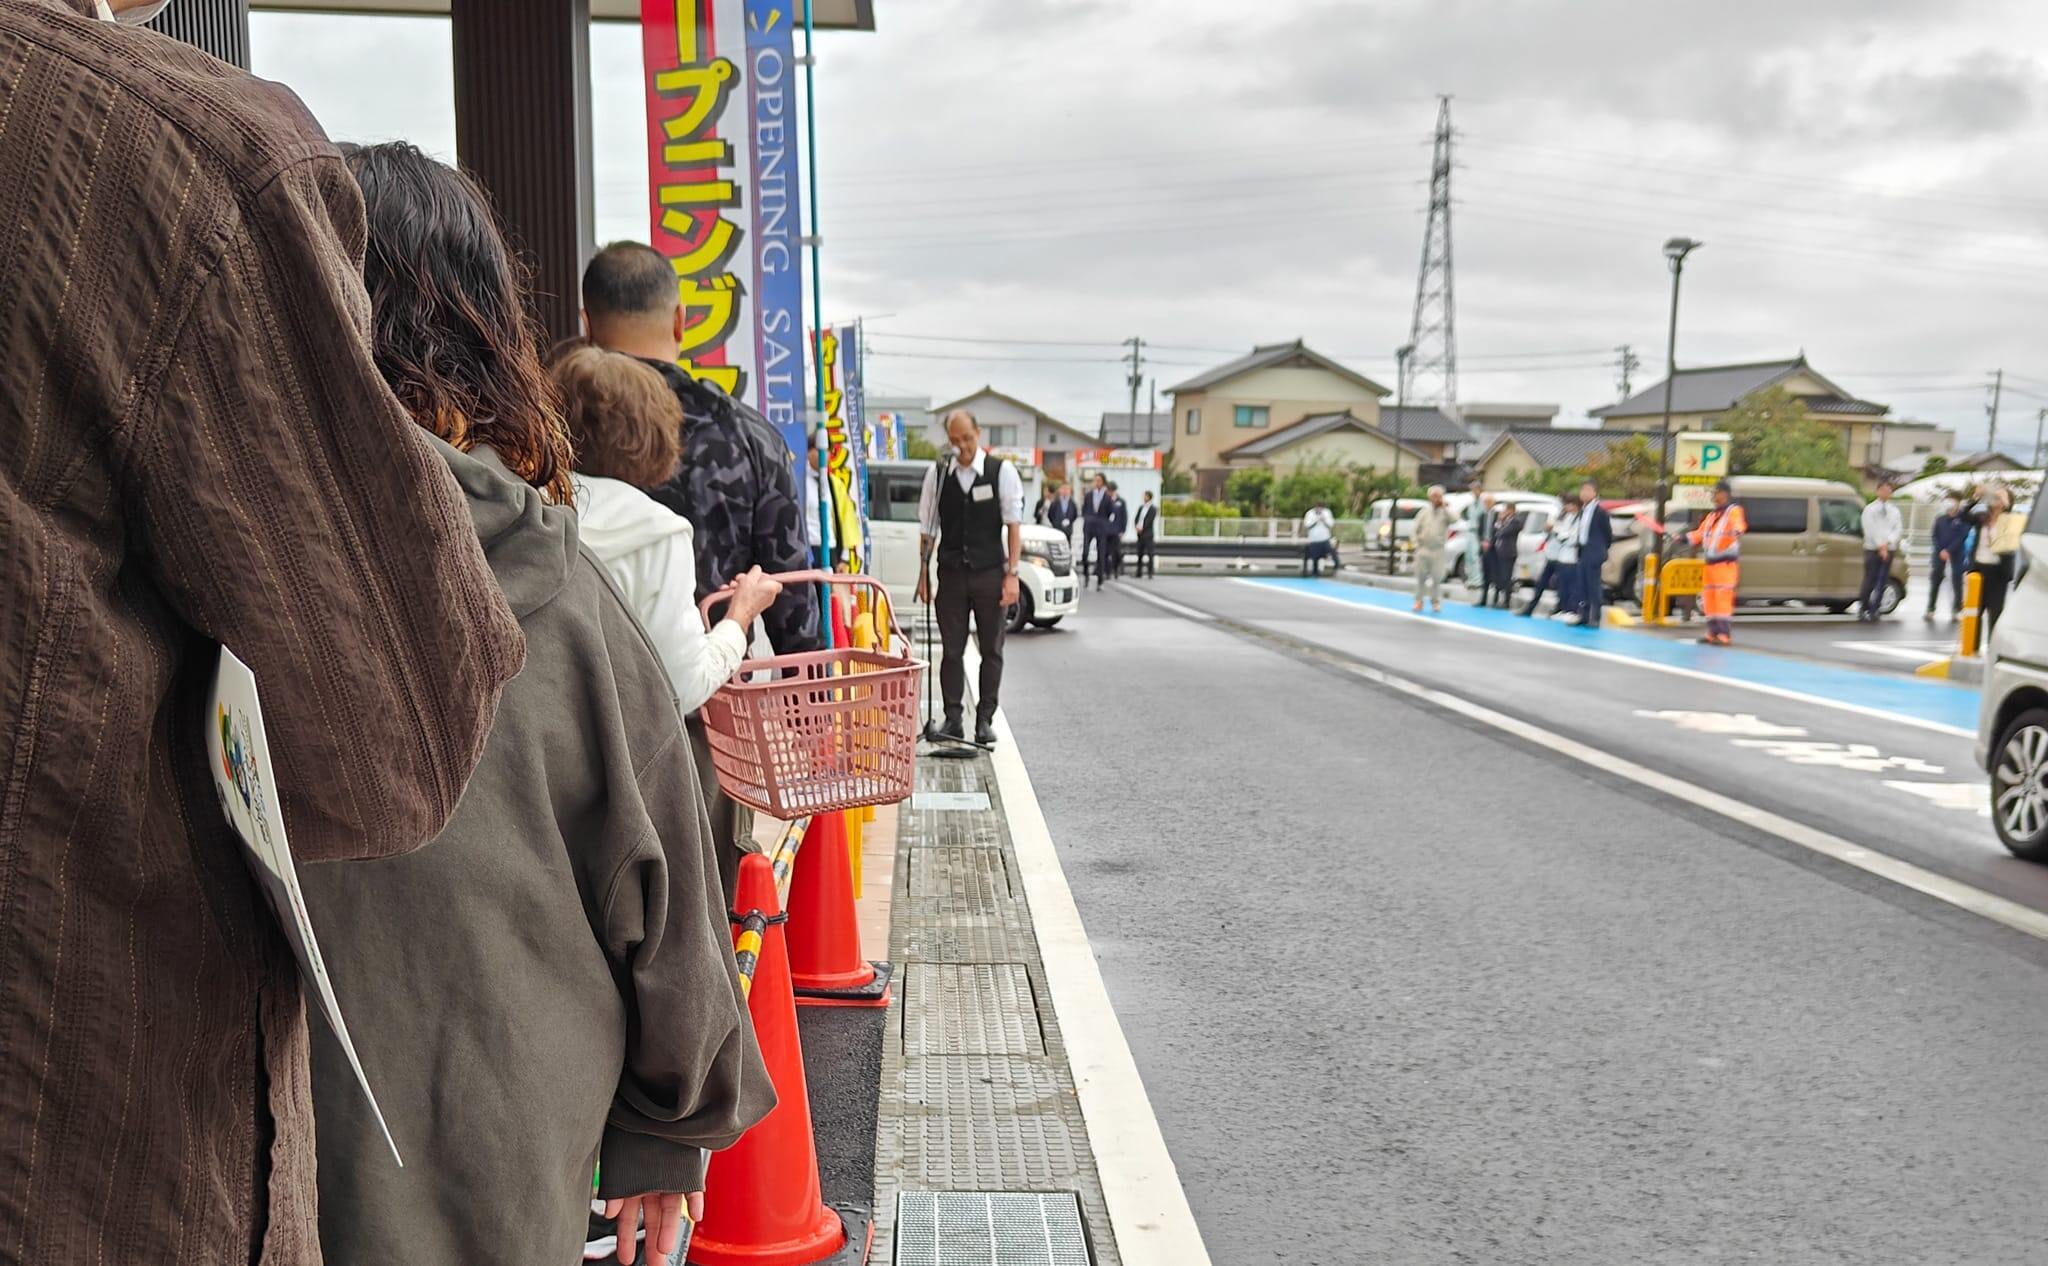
[(699, 158)]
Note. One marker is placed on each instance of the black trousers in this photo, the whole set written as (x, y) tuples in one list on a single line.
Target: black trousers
[(1095, 550), (1148, 555), (1950, 571), (1114, 547), (980, 593), (1997, 577), (1876, 570)]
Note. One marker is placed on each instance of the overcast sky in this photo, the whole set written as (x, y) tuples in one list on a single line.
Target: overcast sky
[(1211, 174)]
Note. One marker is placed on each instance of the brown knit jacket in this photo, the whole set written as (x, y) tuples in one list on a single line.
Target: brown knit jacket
[(194, 448)]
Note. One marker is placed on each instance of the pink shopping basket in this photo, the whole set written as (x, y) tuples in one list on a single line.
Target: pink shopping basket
[(793, 735)]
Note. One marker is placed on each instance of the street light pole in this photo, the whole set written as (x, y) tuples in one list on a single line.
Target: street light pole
[(1401, 355), (1675, 252)]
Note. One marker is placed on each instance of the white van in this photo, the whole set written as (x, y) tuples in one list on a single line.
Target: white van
[(1048, 588)]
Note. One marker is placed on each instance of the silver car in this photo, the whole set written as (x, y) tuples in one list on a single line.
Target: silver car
[(2012, 725)]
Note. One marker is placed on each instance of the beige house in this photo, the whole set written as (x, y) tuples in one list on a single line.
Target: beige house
[(1029, 436), (1699, 396), (1266, 391), (1521, 451), (1336, 440)]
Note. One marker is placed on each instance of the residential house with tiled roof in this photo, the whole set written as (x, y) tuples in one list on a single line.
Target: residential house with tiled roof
[(1340, 440), (1263, 392), (1023, 432), (1521, 451), (1699, 396)]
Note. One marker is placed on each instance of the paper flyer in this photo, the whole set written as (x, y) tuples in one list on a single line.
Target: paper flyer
[(238, 754)]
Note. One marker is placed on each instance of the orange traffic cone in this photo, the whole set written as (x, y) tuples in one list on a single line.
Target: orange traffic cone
[(824, 936), (762, 1205)]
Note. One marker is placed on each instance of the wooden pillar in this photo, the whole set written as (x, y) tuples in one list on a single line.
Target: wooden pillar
[(220, 27), (522, 128)]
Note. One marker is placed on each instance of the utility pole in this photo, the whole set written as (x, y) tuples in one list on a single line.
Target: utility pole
[(1630, 363), (1152, 417), (1402, 355), (1137, 375), (1997, 390), (2040, 416), (1675, 252), (1434, 330)]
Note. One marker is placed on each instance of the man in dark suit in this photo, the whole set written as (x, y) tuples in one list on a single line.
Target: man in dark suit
[(1147, 521), (1119, 523), (1061, 512), (1504, 551), (1596, 534), (1096, 510)]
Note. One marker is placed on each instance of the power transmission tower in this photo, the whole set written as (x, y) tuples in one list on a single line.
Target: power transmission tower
[(1136, 360), (1991, 410), (1434, 331), (1629, 363)]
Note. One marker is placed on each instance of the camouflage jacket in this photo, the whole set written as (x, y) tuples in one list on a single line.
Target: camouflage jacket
[(737, 488)]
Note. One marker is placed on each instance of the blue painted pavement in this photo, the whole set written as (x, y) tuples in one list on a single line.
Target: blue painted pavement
[(1940, 702)]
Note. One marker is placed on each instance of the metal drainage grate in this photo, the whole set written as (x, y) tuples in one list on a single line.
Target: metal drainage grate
[(950, 801), (989, 1228), (970, 1009)]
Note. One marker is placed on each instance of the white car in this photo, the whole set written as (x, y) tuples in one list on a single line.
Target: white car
[(1537, 509), (1048, 588)]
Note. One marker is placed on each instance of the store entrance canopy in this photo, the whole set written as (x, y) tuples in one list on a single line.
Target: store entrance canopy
[(831, 15)]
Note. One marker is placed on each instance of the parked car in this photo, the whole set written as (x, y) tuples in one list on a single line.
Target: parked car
[(2012, 720), (1538, 509), (1048, 590), (1805, 544)]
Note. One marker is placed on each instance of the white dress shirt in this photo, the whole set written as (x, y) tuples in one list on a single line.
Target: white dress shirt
[(1009, 490), (1881, 526), (1316, 523)]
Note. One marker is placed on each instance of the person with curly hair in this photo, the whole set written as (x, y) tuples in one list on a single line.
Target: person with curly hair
[(550, 982)]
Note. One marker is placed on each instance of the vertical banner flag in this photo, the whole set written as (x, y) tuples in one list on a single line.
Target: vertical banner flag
[(777, 178), (856, 419), (840, 507), (724, 194), (698, 159)]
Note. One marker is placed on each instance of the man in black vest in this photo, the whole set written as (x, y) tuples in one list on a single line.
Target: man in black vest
[(975, 512), (1146, 522), (1095, 514)]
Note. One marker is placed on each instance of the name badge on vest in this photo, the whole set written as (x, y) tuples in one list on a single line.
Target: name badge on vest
[(984, 492)]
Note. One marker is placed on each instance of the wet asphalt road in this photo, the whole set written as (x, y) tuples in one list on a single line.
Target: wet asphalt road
[(1406, 990)]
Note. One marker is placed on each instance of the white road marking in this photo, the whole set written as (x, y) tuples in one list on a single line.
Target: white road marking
[(1971, 797), (1612, 657), (1918, 878), (1148, 1210), (1747, 724), (1911, 652), (1861, 757)]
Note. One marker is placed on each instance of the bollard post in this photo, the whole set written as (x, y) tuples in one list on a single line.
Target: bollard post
[(1652, 612), (1973, 593)]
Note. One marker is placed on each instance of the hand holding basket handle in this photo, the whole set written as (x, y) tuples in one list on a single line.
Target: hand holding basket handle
[(750, 593), (886, 630)]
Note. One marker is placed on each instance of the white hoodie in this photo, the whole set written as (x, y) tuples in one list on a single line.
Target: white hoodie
[(652, 557)]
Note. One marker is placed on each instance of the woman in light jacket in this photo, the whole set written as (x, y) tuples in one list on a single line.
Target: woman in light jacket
[(1995, 544), (550, 980), (627, 427)]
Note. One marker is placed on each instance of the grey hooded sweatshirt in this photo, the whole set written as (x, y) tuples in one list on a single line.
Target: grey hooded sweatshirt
[(552, 976)]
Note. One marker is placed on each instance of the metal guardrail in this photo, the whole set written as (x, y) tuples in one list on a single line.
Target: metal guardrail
[(1347, 531)]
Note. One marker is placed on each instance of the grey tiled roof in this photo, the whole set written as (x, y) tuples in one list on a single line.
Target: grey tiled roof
[(1136, 430), (1560, 447), (1308, 428), (1425, 424), (1713, 387), (1273, 354)]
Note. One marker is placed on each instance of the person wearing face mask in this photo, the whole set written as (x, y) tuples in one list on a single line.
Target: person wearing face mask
[(196, 450), (1950, 559)]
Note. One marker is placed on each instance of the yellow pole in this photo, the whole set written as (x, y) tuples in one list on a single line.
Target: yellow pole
[(1973, 593), (854, 821), (1652, 610)]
